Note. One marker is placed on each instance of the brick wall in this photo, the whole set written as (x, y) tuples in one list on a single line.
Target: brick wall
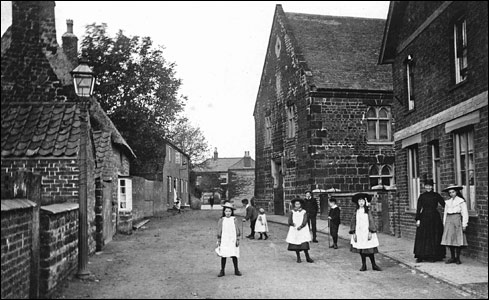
[(16, 253), (59, 245), (436, 92), (59, 177)]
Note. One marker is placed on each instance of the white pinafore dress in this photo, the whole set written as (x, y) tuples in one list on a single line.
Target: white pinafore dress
[(228, 238), (363, 245), (258, 225), (297, 237)]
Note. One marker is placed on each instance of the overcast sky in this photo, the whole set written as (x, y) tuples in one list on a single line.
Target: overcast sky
[(218, 47)]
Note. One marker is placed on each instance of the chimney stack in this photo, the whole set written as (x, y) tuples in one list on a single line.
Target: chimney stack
[(70, 43), (247, 159), (215, 153)]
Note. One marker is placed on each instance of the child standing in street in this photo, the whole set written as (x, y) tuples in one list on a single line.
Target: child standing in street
[(363, 230), (261, 225), (298, 236), (228, 236), (455, 221), (334, 221)]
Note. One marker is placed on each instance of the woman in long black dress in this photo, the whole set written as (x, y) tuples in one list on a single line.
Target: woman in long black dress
[(429, 229)]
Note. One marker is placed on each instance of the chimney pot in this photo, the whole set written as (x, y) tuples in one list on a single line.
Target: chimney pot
[(69, 26)]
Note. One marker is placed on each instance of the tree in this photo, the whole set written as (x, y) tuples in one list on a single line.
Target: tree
[(137, 88), (190, 139)]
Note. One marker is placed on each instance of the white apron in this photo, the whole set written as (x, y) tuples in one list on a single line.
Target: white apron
[(361, 229), (258, 225), (228, 238), (295, 236)]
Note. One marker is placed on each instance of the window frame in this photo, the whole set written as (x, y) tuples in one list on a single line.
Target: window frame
[(414, 186), (124, 194), (268, 130), (460, 50), (409, 65), (290, 130), (377, 120), (468, 190), (379, 176), (435, 164)]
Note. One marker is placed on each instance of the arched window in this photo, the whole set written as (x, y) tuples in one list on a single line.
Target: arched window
[(381, 176), (378, 124)]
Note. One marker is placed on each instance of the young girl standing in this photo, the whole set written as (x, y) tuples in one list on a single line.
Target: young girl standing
[(261, 225), (363, 230), (228, 236), (455, 220), (298, 236)]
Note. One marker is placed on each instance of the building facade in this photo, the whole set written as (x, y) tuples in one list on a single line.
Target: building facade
[(323, 111), (176, 175), (438, 53)]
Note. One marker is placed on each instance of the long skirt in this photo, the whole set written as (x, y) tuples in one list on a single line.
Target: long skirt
[(453, 234), (427, 244)]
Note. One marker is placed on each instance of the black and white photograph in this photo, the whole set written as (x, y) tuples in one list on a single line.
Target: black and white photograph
[(244, 150)]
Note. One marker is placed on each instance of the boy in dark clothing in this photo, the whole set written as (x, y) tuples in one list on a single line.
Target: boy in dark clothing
[(251, 215), (334, 221), (311, 207)]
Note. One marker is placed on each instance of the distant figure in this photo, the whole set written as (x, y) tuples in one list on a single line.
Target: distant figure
[(177, 205), (250, 215), (427, 244), (261, 224), (455, 220), (211, 200), (228, 235), (364, 232), (298, 236), (334, 221), (312, 208)]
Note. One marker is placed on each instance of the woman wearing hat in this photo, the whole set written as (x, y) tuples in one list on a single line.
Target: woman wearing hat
[(298, 236), (455, 220), (429, 229), (228, 235), (363, 230)]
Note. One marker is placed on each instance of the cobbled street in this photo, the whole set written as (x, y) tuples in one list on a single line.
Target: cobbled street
[(173, 257)]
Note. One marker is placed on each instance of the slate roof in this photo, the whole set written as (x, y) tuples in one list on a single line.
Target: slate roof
[(341, 52), (240, 165), (40, 129), (218, 165)]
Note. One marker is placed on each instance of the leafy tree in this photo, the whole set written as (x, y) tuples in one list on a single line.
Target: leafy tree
[(137, 88), (190, 139)]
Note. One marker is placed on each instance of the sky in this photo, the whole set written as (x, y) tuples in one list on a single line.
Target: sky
[(218, 47)]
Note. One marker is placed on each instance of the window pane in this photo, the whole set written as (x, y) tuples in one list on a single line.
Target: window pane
[(374, 181), (373, 170), (383, 113), (386, 181), (371, 113), (383, 135), (371, 131), (386, 170)]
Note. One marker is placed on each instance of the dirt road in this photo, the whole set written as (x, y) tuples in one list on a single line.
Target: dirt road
[(173, 257)]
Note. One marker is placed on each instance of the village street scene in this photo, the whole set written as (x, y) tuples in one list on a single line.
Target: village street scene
[(209, 150)]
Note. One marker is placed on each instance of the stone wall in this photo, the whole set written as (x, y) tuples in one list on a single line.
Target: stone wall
[(241, 185)]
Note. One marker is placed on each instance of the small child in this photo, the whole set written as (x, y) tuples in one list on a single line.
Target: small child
[(228, 236), (334, 221), (261, 225), (363, 230), (298, 236)]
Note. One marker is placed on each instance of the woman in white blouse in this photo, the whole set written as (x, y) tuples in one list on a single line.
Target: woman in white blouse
[(455, 220)]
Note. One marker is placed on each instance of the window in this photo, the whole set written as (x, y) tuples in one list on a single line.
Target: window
[(198, 180), (268, 130), (290, 121), (413, 176), (124, 194), (378, 124), (465, 164), (177, 157), (382, 175), (435, 161), (460, 49), (169, 153), (409, 62), (223, 178)]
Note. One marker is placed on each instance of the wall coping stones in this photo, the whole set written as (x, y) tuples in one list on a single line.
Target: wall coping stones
[(59, 208), (13, 204)]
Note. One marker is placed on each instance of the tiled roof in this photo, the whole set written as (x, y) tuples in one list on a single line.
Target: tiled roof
[(218, 165), (40, 129), (341, 52), (103, 152)]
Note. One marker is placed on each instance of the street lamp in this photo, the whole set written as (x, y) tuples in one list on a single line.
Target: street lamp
[(83, 78)]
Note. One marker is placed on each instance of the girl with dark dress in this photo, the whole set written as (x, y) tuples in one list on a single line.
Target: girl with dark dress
[(427, 245), (298, 236)]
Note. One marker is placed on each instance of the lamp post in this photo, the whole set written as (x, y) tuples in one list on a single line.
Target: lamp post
[(83, 81)]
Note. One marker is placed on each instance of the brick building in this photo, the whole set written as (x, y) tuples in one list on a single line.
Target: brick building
[(233, 178), (68, 142), (323, 112), (176, 175), (438, 52)]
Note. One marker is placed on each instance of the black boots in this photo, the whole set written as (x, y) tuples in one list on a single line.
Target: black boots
[(221, 273), (364, 262), (298, 253), (223, 266), (372, 260), (374, 265), (308, 258), (261, 236), (457, 256), (452, 258)]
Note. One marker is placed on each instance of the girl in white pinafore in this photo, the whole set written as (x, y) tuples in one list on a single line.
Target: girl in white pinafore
[(261, 224), (228, 236), (363, 230), (298, 236)]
